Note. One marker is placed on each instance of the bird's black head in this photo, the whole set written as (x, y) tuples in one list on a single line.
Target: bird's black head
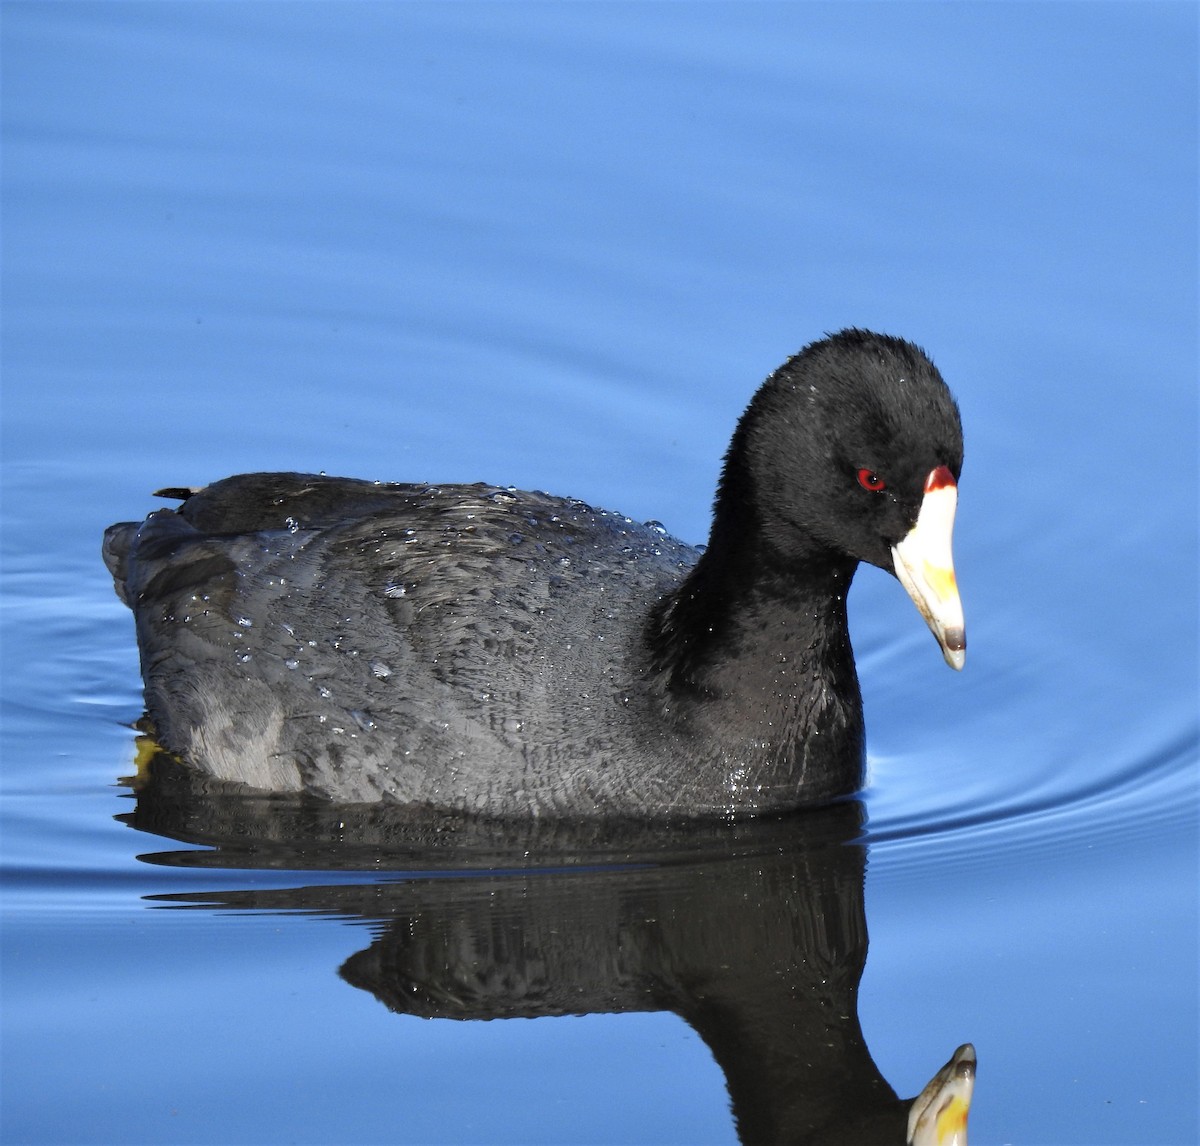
[(838, 448)]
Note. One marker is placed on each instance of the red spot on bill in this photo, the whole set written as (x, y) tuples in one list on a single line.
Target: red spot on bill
[(940, 478)]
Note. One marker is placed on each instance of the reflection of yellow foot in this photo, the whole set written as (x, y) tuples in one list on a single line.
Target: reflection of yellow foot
[(939, 1113)]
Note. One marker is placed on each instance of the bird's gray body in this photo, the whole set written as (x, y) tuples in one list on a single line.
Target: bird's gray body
[(460, 646)]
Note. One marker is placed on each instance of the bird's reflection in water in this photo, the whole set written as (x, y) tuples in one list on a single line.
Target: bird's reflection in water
[(754, 933)]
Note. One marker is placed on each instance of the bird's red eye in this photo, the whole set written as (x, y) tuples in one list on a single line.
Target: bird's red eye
[(869, 479)]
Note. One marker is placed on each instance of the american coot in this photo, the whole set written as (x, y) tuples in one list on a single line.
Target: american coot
[(509, 653)]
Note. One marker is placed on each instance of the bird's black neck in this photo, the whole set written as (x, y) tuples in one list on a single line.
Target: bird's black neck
[(751, 653), (741, 609), (745, 604), (754, 663)]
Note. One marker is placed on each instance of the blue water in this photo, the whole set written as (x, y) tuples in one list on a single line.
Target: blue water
[(558, 246)]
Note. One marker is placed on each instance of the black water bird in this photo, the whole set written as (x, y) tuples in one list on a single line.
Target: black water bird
[(509, 653)]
